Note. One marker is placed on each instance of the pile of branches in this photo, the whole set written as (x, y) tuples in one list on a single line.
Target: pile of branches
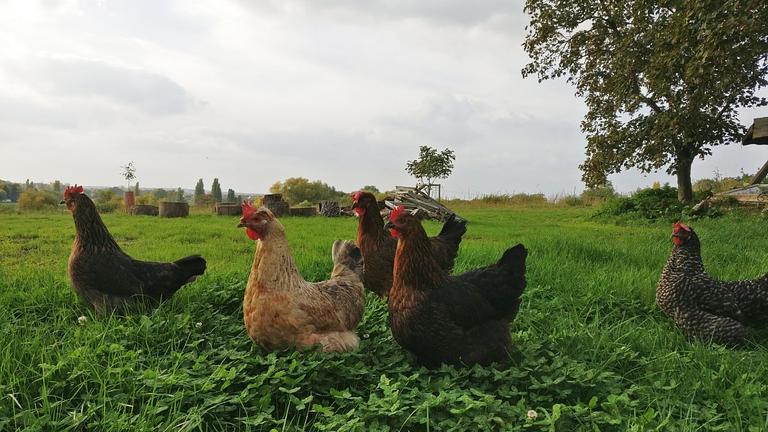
[(418, 202)]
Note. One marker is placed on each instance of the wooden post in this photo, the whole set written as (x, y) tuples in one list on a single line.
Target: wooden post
[(760, 176)]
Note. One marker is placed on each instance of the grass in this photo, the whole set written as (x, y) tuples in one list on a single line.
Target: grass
[(592, 351)]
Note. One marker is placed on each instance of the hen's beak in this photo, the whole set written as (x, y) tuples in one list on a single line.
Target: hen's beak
[(389, 226)]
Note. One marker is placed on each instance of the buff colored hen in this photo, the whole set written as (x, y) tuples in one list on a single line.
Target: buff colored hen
[(282, 310)]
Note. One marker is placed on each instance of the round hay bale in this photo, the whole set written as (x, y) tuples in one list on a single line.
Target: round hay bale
[(303, 211), (270, 198), (278, 208), (145, 209), (173, 209), (229, 209)]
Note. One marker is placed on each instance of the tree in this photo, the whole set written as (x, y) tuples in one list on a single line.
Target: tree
[(370, 188), (160, 193), (299, 189), (199, 189), (662, 80), (3, 195), (216, 190), (231, 195), (180, 194), (431, 165), (136, 189), (129, 172), (56, 186)]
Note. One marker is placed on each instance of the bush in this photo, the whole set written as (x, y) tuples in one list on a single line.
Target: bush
[(32, 199), (651, 203), (107, 207), (598, 195)]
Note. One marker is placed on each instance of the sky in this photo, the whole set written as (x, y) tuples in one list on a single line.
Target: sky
[(252, 92)]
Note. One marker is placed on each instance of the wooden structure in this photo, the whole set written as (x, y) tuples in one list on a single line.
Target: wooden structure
[(171, 209), (145, 209), (228, 209), (416, 200), (758, 134), (303, 211), (275, 204), (129, 199)]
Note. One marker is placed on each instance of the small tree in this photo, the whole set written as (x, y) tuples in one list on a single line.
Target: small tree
[(431, 165), (129, 172), (370, 188), (56, 186), (199, 189), (136, 189), (231, 195), (216, 190), (180, 194)]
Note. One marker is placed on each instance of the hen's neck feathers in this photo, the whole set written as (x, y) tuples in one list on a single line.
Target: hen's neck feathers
[(687, 258), (371, 225), (91, 231), (415, 266), (273, 266)]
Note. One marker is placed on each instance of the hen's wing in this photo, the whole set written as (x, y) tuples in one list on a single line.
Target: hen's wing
[(109, 274)]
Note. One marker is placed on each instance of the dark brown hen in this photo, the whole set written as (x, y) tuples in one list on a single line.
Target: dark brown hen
[(378, 248), (702, 306), (105, 276), (458, 320)]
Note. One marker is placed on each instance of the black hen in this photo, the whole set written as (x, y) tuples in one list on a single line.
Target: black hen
[(458, 320), (105, 276)]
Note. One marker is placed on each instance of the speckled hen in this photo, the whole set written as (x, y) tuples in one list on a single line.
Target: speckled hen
[(704, 307)]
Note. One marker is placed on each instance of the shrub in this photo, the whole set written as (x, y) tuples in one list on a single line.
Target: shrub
[(107, 207), (32, 199), (650, 203)]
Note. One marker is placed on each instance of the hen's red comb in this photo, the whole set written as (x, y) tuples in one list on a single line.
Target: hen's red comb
[(71, 190), (356, 195), (679, 225), (248, 209), (396, 212)]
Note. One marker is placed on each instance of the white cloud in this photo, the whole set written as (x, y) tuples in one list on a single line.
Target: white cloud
[(252, 92)]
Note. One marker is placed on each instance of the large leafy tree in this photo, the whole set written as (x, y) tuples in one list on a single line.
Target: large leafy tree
[(431, 164), (662, 79), (299, 189)]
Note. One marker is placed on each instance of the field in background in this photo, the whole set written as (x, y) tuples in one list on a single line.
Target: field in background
[(591, 349)]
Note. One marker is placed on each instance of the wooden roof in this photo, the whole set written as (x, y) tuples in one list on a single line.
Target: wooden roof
[(757, 133)]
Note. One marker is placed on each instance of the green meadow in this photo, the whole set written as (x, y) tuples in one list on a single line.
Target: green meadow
[(591, 349)]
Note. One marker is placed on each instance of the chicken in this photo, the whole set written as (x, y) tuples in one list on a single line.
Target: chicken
[(106, 277), (458, 320), (379, 249), (704, 307), (282, 310)]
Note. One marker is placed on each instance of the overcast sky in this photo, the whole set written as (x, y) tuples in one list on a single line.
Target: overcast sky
[(255, 91)]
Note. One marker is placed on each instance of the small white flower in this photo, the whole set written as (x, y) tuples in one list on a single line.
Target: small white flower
[(198, 325), (82, 320), (366, 336), (532, 414)]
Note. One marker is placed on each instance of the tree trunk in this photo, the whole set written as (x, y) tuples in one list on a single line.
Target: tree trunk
[(684, 186)]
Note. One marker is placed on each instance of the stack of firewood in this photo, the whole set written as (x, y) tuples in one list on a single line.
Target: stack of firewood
[(330, 208)]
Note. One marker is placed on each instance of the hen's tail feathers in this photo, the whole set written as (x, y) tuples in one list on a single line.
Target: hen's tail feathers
[(191, 267), (333, 341), (452, 231), (514, 259)]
